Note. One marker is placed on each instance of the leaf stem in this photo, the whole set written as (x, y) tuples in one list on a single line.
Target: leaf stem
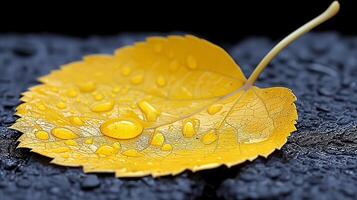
[(331, 11)]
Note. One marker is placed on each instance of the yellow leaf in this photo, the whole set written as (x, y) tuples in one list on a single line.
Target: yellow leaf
[(155, 108)]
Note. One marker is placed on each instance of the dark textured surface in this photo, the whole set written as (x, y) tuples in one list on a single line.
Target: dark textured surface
[(318, 162)]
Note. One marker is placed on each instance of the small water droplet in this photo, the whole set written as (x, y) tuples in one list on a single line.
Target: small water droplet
[(98, 97), (121, 128), (166, 147), (158, 139), (63, 133), (160, 81), (61, 105), (215, 108), (103, 107), (42, 135), (105, 150), (132, 153), (65, 155), (54, 89), (89, 141), (71, 93), (125, 71), (116, 145), (191, 62), (209, 137), (116, 89), (70, 143), (150, 112), (87, 86), (77, 121), (137, 79), (188, 129), (41, 107)]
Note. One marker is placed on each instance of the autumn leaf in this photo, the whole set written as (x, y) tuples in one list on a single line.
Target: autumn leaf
[(158, 107)]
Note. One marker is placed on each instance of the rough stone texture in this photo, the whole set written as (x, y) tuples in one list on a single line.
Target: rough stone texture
[(318, 162)]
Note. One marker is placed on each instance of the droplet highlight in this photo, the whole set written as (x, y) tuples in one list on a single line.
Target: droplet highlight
[(188, 129), (160, 81)]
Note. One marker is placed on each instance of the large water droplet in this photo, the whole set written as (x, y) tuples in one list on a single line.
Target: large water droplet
[(105, 150), (63, 133), (42, 135), (150, 112), (158, 139), (121, 128), (87, 86), (209, 137), (103, 107), (215, 108)]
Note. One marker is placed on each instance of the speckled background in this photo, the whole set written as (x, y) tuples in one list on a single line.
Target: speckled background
[(318, 162)]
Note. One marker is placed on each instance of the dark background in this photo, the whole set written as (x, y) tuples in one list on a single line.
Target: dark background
[(218, 21)]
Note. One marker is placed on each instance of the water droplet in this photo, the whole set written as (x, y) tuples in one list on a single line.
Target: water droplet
[(132, 153), (116, 145), (137, 79), (209, 137), (116, 89), (121, 128), (89, 141), (41, 107), (158, 139), (103, 107), (77, 121), (87, 86), (105, 150), (166, 147), (191, 62), (65, 155), (54, 89), (71, 93), (61, 105), (63, 133), (98, 97), (150, 112), (42, 135), (188, 129), (160, 81), (174, 65), (215, 108), (125, 71), (71, 142)]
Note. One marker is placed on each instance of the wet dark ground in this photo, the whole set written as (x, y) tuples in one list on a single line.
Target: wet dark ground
[(318, 162)]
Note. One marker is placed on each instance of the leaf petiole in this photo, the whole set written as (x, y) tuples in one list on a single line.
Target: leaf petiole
[(331, 11)]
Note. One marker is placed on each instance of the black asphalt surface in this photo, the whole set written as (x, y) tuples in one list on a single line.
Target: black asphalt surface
[(319, 160)]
